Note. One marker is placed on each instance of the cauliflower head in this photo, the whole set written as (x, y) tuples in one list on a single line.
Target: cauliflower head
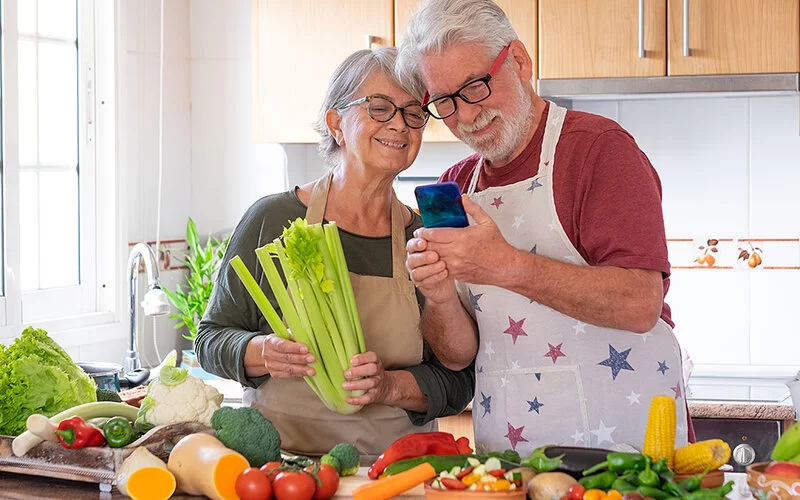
[(176, 397)]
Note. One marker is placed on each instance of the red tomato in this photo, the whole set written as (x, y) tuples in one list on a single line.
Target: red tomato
[(290, 485), (464, 473), (252, 484), (269, 469), (575, 492), (329, 479), (497, 472), (453, 484)]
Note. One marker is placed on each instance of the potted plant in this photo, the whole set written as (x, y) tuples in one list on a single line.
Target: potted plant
[(203, 263)]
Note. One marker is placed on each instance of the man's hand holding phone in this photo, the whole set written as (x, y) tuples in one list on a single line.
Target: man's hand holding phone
[(438, 255)]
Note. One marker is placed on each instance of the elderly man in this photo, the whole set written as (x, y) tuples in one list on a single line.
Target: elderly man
[(556, 290)]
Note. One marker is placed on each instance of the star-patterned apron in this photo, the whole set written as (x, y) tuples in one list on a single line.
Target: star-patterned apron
[(544, 377), (390, 319)]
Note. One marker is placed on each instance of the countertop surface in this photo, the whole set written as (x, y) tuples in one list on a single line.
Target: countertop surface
[(15, 486)]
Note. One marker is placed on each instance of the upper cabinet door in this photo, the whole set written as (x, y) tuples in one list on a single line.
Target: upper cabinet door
[(522, 14), (297, 45), (734, 37), (602, 38)]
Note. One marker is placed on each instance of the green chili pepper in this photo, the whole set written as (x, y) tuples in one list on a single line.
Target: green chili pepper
[(709, 493), (540, 462), (118, 432), (601, 481), (648, 476), (623, 486), (693, 483), (674, 489), (620, 462), (631, 477), (663, 470), (649, 491)]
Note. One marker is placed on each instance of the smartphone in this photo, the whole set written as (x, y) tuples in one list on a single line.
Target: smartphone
[(440, 205)]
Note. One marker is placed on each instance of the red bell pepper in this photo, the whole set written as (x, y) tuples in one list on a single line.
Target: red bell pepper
[(418, 444), (74, 433)]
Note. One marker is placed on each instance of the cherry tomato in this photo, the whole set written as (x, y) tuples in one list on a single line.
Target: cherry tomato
[(329, 479), (289, 485), (575, 492), (453, 484), (464, 472), (252, 484), (497, 472), (269, 469)]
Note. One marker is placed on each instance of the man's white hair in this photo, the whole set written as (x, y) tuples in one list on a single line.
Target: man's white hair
[(441, 23)]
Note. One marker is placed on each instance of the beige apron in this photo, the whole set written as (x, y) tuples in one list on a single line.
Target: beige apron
[(390, 319), (542, 376)]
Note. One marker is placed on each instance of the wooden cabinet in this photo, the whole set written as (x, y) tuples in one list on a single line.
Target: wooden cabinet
[(296, 47), (613, 38), (734, 37), (600, 39), (522, 14)]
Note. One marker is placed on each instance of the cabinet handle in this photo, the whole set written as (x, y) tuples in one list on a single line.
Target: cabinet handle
[(641, 29), (685, 28), (370, 41)]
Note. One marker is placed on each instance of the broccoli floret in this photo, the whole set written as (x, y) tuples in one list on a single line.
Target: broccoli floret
[(348, 457), (332, 461), (107, 395), (248, 432)]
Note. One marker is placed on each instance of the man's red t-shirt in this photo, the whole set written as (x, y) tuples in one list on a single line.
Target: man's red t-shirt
[(606, 192)]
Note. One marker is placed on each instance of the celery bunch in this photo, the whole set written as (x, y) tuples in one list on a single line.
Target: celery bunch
[(317, 303)]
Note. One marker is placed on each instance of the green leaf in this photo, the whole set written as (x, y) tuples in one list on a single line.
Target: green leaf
[(171, 375)]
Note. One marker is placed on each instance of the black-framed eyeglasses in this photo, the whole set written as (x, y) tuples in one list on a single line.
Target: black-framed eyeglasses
[(472, 92), (381, 109)]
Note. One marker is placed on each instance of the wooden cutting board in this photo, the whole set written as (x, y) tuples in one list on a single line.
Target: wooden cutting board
[(350, 483)]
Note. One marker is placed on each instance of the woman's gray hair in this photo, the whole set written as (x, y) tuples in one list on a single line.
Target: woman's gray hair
[(343, 86), (441, 23)]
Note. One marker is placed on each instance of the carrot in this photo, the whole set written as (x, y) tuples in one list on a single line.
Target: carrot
[(395, 484)]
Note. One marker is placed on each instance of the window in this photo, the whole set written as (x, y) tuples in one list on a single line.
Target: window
[(52, 255)]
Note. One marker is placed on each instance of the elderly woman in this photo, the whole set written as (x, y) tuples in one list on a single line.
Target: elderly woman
[(371, 131)]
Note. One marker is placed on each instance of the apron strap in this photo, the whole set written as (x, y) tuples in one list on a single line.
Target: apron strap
[(319, 200), (316, 212), (552, 132)]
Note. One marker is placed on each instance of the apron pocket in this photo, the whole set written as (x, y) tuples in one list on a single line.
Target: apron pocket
[(524, 409)]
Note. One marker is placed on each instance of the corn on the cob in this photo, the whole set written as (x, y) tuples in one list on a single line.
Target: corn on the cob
[(659, 437), (697, 457)]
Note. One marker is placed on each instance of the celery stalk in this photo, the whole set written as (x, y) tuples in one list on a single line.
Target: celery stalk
[(317, 302), (261, 300), (335, 245), (264, 305), (337, 301), (294, 291)]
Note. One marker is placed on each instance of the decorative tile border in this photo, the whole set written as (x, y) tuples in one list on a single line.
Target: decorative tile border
[(741, 254), (169, 256)]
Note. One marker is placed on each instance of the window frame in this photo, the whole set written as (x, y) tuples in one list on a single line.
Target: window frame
[(96, 301)]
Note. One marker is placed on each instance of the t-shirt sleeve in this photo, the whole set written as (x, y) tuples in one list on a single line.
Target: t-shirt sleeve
[(448, 392), (618, 206)]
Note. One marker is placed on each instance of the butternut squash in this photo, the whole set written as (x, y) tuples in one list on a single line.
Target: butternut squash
[(204, 466), (143, 476)]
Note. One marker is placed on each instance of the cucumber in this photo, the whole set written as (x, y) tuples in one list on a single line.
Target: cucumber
[(23, 443)]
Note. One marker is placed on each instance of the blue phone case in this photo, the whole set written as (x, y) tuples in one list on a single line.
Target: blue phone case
[(440, 205)]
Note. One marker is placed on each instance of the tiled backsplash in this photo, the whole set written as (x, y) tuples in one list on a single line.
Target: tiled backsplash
[(729, 168)]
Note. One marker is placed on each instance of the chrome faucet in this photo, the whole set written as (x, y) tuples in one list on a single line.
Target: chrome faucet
[(155, 303)]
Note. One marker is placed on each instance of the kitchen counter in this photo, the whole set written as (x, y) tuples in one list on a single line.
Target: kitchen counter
[(15, 486), (18, 486)]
